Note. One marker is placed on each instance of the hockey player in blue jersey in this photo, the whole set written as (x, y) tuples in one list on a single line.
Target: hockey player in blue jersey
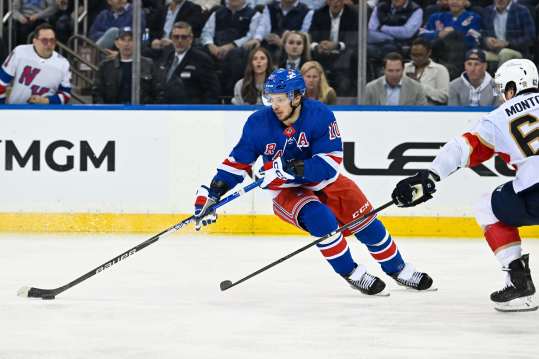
[(301, 147)]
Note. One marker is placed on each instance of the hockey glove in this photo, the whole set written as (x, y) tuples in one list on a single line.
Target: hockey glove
[(275, 174), (414, 190), (204, 215)]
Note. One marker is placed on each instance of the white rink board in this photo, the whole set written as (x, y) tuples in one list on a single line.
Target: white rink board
[(161, 157)]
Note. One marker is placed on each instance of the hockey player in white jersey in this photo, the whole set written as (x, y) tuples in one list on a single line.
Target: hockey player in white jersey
[(36, 72), (512, 132)]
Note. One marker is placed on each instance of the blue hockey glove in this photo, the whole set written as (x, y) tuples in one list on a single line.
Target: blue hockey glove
[(414, 190), (203, 214), (275, 174)]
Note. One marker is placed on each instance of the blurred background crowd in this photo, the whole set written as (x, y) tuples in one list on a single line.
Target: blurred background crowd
[(419, 52)]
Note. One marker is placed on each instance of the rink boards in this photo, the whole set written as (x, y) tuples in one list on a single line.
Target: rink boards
[(114, 169)]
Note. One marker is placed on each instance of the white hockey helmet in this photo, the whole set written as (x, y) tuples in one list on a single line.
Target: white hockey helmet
[(521, 72)]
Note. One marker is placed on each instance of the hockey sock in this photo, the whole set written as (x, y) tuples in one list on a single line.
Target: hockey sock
[(504, 241), (318, 220), (381, 246)]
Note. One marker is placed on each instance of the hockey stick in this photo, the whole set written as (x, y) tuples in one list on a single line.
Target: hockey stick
[(32, 292), (226, 284)]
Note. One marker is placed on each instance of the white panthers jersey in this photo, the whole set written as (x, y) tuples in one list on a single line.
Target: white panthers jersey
[(511, 131), (31, 74)]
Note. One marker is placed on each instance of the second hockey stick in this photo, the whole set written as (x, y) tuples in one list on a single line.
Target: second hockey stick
[(227, 284), (33, 292)]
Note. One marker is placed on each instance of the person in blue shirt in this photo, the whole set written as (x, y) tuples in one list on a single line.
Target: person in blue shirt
[(451, 34), (301, 147)]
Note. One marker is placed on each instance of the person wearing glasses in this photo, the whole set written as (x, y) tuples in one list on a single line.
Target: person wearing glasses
[(37, 74), (185, 74)]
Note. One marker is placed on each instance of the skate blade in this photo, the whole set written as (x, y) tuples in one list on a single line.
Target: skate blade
[(405, 289), (383, 293), (524, 304)]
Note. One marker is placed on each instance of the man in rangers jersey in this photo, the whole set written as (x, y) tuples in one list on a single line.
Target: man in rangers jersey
[(512, 132), (301, 147), (36, 72)]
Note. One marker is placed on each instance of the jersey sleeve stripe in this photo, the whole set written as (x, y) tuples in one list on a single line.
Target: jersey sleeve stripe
[(480, 150), (5, 78), (331, 159), (236, 168)]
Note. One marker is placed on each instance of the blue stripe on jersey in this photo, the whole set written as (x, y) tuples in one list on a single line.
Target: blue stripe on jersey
[(54, 100), (5, 77)]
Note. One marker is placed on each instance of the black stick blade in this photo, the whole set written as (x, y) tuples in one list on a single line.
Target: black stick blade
[(31, 292), (225, 285)]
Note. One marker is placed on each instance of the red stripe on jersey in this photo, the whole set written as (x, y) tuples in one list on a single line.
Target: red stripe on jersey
[(337, 159), (480, 151), (387, 253), (2, 89), (240, 166), (65, 97), (336, 249)]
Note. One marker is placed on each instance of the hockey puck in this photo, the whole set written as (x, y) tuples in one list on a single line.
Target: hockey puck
[(48, 297), (225, 284)]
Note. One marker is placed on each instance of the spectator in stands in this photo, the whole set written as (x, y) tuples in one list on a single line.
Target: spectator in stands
[(316, 83), (177, 10), (62, 21), (393, 88), (451, 34), (334, 44), (509, 31), (475, 87), (105, 29), (186, 74), (433, 77), (392, 26), (113, 79), (297, 50), (28, 14), (224, 35), (37, 73), (279, 17), (248, 90)]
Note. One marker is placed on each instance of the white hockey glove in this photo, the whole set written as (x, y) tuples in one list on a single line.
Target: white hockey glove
[(414, 190), (274, 174), (203, 214)]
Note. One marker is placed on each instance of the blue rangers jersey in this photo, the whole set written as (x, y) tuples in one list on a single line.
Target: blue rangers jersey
[(313, 138)]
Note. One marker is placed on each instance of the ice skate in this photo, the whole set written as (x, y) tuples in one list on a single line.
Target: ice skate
[(366, 283), (408, 277), (517, 295)]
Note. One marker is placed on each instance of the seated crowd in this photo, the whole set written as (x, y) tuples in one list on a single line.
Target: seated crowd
[(419, 52)]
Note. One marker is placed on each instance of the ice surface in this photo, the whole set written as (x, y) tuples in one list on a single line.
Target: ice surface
[(165, 302)]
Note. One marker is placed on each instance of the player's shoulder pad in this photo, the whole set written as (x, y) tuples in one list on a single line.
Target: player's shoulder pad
[(318, 111)]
